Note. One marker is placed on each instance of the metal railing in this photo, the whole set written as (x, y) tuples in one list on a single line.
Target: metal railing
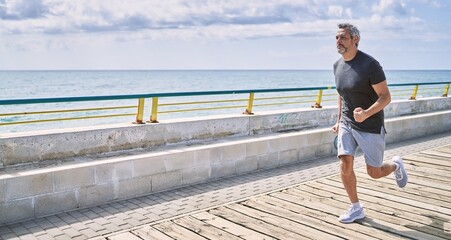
[(314, 96)]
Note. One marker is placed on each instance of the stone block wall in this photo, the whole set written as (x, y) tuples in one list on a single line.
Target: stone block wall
[(16, 148), (40, 192)]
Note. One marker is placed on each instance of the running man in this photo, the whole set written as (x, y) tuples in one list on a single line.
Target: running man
[(363, 94)]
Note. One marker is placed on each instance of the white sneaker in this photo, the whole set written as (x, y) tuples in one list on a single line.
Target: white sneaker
[(353, 213), (400, 173)]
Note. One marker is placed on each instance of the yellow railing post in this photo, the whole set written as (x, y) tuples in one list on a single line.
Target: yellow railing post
[(445, 93), (318, 100), (250, 103), (414, 94), (140, 113), (154, 113)]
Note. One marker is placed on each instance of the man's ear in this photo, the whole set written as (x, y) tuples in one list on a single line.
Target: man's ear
[(356, 39)]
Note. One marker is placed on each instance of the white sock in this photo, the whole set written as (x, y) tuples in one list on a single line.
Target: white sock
[(356, 205)]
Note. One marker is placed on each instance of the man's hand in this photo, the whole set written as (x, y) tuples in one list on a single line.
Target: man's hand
[(335, 128), (360, 114)]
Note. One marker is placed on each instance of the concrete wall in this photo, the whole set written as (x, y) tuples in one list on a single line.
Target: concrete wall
[(38, 192), (29, 147)]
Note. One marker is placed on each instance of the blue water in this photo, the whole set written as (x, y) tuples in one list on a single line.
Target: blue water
[(37, 84), (43, 84)]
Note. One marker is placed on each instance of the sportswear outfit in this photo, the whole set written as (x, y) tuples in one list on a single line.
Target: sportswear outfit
[(354, 81)]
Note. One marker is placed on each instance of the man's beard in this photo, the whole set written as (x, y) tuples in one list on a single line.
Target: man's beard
[(342, 49)]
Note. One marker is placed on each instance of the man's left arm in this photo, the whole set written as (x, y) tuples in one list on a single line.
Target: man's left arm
[(384, 99)]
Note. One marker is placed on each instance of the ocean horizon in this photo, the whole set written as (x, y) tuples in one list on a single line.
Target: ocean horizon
[(44, 83)]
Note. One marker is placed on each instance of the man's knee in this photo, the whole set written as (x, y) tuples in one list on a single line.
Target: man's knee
[(346, 165)]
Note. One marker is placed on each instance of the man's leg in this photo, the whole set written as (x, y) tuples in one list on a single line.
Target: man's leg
[(349, 180), (378, 172), (395, 166), (345, 151), (348, 177), (373, 147)]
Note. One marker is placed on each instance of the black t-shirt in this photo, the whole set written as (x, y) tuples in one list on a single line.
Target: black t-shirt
[(354, 80)]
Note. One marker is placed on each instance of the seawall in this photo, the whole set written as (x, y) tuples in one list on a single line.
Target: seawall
[(16, 148)]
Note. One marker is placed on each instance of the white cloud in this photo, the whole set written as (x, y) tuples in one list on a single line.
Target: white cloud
[(335, 11), (96, 34), (156, 19), (338, 12), (59, 16), (95, 15), (390, 6), (22, 9), (432, 3)]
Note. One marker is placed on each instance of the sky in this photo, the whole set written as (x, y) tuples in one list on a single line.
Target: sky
[(219, 34)]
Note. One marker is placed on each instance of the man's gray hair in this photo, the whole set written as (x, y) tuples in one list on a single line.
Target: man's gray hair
[(353, 30)]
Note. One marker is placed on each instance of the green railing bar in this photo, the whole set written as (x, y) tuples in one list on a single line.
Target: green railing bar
[(150, 95), (413, 84), (177, 94)]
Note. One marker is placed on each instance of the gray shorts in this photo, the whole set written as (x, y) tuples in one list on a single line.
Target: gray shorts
[(372, 145)]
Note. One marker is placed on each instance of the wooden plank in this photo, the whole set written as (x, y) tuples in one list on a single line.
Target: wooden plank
[(391, 188), (431, 159), (434, 177), (428, 180), (329, 205), (413, 178), (426, 170), (176, 231), (338, 205), (299, 222), (421, 176), (317, 205), (150, 233), (205, 229), (124, 236), (391, 223), (422, 167), (323, 221), (432, 183), (422, 172), (393, 208), (436, 153), (270, 228), (426, 167), (277, 221), (229, 226), (435, 196), (428, 173), (430, 223), (343, 199), (415, 219), (397, 199), (444, 149)]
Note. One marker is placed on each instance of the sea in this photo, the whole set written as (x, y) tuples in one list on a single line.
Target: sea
[(47, 84)]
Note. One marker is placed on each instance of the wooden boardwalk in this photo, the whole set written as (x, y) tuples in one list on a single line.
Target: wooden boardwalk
[(422, 210)]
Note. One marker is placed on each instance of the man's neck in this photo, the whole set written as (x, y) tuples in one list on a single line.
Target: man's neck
[(349, 55)]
